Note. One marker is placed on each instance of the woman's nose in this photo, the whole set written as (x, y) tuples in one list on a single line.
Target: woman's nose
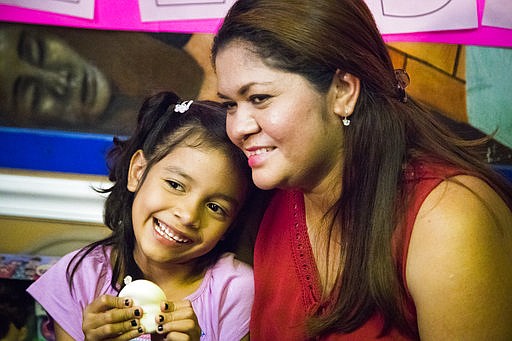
[(241, 125)]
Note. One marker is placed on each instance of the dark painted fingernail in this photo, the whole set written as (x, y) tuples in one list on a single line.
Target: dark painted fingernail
[(160, 328), (134, 323), (127, 302), (166, 306), (137, 312), (140, 330), (160, 318)]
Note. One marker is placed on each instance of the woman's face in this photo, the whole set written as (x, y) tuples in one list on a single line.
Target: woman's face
[(286, 128), (185, 205), (43, 80)]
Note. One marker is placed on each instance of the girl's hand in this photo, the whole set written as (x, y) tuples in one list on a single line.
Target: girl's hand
[(111, 318), (178, 321)]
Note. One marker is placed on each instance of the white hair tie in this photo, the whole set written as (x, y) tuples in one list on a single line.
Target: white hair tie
[(183, 106)]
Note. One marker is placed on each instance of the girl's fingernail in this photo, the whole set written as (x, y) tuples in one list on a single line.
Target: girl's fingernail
[(160, 328), (127, 302), (137, 312), (134, 323), (160, 318)]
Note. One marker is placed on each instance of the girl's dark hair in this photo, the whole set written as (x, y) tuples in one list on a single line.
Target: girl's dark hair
[(159, 130), (314, 39)]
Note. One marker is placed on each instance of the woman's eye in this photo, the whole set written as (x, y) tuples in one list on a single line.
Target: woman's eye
[(258, 99), (31, 49), (229, 105), (175, 185), (216, 209)]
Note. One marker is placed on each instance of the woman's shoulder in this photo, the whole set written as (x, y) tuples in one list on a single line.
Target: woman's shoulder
[(427, 168), (461, 249), (467, 200), (460, 209)]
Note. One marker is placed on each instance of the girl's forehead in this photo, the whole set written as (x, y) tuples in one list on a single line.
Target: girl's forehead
[(199, 150), (211, 168)]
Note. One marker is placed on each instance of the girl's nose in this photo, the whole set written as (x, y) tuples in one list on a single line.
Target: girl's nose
[(188, 212)]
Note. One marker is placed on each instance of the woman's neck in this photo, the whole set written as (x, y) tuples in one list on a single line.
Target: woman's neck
[(325, 238)]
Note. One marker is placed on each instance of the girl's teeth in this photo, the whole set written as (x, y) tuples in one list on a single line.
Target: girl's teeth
[(166, 233)]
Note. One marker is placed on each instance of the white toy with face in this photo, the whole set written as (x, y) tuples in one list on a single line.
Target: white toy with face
[(148, 295)]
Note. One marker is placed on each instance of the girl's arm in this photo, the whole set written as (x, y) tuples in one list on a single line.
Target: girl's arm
[(459, 267)]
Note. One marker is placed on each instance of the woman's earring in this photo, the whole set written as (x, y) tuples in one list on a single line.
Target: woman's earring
[(345, 120)]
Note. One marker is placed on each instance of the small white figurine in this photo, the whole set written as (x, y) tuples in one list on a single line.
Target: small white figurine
[(146, 294)]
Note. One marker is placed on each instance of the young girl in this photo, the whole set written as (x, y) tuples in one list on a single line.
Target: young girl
[(178, 185)]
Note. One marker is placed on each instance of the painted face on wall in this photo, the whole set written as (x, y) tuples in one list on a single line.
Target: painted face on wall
[(185, 205), (43, 80)]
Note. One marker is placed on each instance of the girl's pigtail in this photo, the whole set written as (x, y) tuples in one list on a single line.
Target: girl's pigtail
[(119, 157), (151, 111)]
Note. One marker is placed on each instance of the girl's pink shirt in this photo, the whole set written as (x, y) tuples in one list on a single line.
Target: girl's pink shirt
[(222, 303)]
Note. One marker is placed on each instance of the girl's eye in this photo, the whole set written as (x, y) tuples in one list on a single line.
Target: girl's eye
[(175, 185), (216, 209)]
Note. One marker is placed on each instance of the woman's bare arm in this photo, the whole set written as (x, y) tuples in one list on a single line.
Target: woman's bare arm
[(459, 267)]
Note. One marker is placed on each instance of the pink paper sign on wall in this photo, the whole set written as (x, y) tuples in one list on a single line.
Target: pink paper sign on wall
[(397, 19)]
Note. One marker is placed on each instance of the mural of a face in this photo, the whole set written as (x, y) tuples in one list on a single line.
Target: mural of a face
[(43, 80)]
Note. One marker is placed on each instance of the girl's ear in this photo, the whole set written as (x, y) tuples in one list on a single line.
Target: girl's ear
[(137, 168), (346, 89)]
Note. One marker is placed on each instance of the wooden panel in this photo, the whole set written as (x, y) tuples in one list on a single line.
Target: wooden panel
[(437, 89), (45, 237), (441, 56), (460, 72)]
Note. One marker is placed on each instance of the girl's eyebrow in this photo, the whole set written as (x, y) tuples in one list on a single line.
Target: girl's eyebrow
[(178, 171)]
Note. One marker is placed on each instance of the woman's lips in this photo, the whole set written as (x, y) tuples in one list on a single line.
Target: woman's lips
[(256, 156)]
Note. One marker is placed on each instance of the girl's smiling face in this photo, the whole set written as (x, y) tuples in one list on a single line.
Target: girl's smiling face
[(185, 204)]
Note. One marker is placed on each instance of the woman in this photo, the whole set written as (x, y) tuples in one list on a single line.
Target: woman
[(385, 224)]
